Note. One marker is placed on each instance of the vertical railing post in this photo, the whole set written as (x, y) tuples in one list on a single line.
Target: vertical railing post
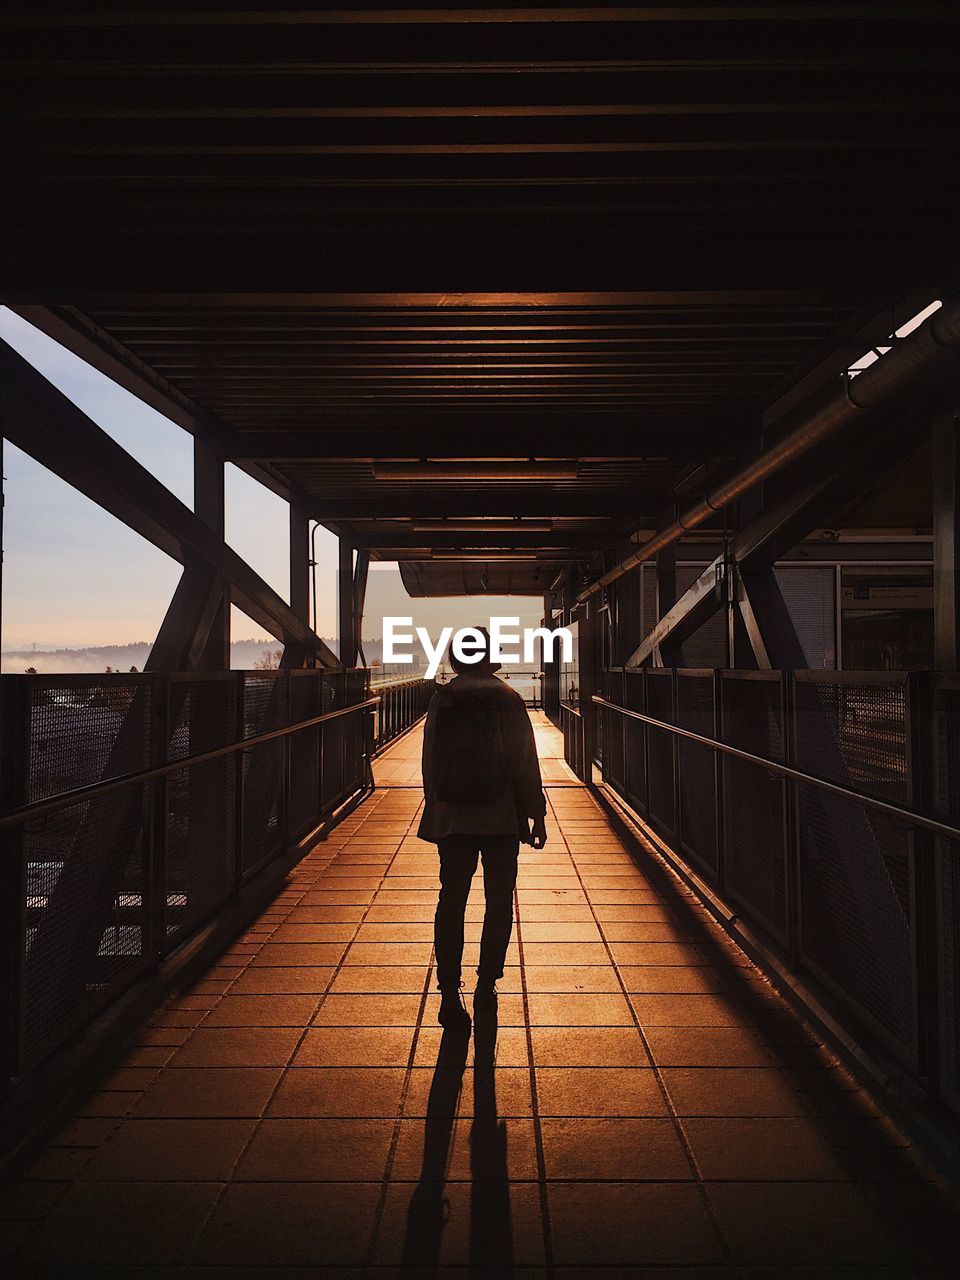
[(154, 910), (791, 815), (675, 750), (238, 785), (719, 825), (14, 747), (922, 757), (286, 788)]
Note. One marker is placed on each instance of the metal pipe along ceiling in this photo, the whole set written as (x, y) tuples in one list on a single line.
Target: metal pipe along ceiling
[(820, 417)]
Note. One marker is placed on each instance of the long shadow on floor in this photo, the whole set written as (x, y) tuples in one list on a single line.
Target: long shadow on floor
[(491, 1236)]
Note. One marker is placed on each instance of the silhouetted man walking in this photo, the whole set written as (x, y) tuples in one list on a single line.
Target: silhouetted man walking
[(484, 794)]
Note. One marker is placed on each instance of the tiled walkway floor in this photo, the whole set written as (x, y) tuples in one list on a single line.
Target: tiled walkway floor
[(647, 1107)]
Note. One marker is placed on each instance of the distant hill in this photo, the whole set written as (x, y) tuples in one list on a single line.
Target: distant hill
[(121, 657)]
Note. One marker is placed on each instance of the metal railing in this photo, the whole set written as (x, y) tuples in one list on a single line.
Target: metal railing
[(135, 807), (824, 807), (402, 703)]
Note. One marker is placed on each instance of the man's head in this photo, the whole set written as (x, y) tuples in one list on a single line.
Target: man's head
[(483, 665)]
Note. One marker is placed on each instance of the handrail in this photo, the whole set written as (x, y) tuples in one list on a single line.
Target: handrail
[(95, 790), (887, 807)]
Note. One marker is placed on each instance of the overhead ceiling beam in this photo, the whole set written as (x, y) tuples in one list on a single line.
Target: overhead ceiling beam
[(33, 17), (337, 436), (411, 502), (572, 540)]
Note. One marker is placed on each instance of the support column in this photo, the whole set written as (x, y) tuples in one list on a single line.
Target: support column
[(300, 561), (589, 683), (767, 622), (347, 634), (671, 655), (946, 542), (209, 503), (360, 600)]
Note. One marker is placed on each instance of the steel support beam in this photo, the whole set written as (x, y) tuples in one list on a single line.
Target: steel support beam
[(40, 420), (209, 503), (914, 363), (360, 598), (300, 561), (767, 621), (669, 653), (99, 349), (946, 541), (346, 599), (186, 634), (764, 541)]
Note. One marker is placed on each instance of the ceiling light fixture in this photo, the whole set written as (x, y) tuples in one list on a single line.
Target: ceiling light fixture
[(480, 469), (483, 526)]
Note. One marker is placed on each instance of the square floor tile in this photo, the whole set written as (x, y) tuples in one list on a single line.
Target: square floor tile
[(758, 1149), (482, 1148), (801, 1225), (176, 1150), (731, 1091), (599, 1091), (237, 1047), (707, 1047), (494, 1230), (124, 1225), (285, 980), (368, 1010), (309, 1224), (339, 1091), (614, 1149), (579, 1010), (399, 979), (631, 1224), (328, 1150), (588, 1047), (217, 1092), (262, 1011), (355, 1047)]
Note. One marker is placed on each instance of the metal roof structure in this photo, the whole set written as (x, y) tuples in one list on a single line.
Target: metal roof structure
[(612, 234)]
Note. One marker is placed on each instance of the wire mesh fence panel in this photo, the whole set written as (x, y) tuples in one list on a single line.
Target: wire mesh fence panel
[(304, 800), (857, 927), (947, 853), (754, 812), (84, 865), (86, 913), (86, 729), (635, 742), (200, 865), (855, 867), (660, 747), (612, 732), (852, 729), (697, 770), (264, 702)]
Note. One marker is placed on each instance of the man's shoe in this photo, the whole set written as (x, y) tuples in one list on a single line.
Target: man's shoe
[(453, 1015), (485, 997)]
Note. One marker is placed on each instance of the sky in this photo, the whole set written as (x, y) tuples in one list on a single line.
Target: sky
[(76, 577)]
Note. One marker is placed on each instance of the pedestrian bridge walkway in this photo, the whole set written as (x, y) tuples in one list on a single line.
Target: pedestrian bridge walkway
[(647, 1106)]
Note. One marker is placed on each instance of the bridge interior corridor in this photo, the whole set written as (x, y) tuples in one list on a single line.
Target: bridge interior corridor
[(647, 1105)]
